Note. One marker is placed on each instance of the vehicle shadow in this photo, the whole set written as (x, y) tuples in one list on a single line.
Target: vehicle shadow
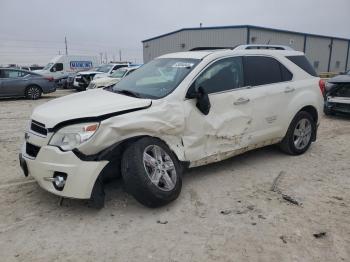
[(118, 199), (339, 116)]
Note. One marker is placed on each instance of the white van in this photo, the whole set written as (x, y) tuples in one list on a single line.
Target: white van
[(62, 66)]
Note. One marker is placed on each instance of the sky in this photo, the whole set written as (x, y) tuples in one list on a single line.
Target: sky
[(33, 31)]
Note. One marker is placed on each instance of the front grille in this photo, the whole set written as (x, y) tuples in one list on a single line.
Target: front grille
[(32, 150), (38, 128)]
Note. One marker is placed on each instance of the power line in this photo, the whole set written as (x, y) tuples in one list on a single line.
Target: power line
[(78, 43)]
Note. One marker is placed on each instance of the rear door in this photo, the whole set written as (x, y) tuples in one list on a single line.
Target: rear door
[(272, 85)]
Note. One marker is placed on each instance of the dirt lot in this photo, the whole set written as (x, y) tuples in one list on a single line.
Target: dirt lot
[(226, 211)]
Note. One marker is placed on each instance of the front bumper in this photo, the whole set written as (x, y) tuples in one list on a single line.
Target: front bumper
[(81, 175), (338, 104)]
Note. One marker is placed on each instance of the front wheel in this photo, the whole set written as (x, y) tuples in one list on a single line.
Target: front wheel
[(151, 172), (33, 92), (300, 133)]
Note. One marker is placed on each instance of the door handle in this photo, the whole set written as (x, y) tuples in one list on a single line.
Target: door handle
[(289, 89), (241, 101)]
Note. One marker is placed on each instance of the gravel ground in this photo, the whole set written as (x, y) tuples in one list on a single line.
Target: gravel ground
[(226, 211)]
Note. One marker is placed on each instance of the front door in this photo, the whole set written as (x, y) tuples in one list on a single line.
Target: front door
[(227, 127)]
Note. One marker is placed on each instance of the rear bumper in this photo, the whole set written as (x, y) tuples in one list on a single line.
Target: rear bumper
[(81, 175)]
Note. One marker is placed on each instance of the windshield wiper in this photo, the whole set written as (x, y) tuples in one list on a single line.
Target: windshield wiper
[(128, 93)]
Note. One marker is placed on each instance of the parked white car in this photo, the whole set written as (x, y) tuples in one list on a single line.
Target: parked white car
[(113, 78), (180, 110), (83, 79)]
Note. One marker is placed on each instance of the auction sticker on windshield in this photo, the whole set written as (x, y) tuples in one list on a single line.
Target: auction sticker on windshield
[(183, 65)]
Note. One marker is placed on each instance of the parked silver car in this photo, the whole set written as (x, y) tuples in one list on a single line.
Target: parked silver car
[(19, 83)]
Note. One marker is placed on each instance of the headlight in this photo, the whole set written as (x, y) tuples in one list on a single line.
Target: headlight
[(70, 137)]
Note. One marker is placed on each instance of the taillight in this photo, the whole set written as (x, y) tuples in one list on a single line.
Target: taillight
[(322, 85), (49, 78)]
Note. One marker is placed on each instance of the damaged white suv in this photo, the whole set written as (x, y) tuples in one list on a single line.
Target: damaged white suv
[(180, 110)]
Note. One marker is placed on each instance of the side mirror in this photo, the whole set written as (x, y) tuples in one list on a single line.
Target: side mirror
[(203, 102), (53, 69)]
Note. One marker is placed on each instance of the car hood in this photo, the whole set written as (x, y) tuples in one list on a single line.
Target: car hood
[(340, 79), (91, 72), (106, 81), (94, 103)]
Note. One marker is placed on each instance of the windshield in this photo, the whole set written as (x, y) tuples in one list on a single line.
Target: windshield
[(48, 66), (119, 73), (157, 78), (103, 68)]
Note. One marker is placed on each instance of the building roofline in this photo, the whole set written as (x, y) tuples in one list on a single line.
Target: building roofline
[(245, 26)]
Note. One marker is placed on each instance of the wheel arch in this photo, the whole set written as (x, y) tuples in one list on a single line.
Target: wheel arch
[(32, 84), (114, 153), (309, 109)]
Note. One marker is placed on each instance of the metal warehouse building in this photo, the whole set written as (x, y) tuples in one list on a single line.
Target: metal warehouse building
[(326, 53)]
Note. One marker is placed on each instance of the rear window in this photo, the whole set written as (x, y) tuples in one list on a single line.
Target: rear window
[(303, 63), (261, 70)]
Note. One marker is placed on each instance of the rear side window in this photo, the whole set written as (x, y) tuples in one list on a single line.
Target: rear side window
[(303, 63), (260, 70)]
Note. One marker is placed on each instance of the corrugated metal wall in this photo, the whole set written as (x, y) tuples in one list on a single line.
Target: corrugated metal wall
[(317, 48), (338, 60), (189, 39), (317, 51), (258, 36)]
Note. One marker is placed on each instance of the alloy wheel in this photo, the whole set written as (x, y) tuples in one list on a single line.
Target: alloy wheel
[(159, 168), (302, 134), (33, 92)]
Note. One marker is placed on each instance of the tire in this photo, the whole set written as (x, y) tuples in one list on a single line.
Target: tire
[(146, 158), (33, 92), (298, 139), (97, 199)]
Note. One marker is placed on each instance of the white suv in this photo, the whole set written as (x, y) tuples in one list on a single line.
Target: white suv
[(180, 110)]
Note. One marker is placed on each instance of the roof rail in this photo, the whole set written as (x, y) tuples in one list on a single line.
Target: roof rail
[(209, 48), (270, 47)]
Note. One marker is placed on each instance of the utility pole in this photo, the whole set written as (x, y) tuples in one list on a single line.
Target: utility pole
[(120, 55), (106, 58), (65, 41), (101, 54)]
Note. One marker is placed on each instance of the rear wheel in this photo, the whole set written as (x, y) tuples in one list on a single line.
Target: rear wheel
[(151, 172), (299, 135), (33, 92)]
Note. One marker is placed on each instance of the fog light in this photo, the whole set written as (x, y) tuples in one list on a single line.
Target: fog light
[(58, 180)]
